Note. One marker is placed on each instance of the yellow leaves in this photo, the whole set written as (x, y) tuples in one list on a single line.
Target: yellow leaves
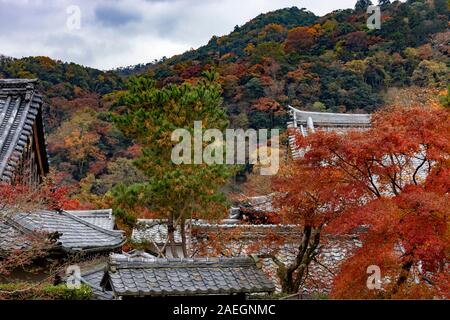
[(46, 62), (249, 48), (329, 25), (81, 145), (357, 66), (274, 27)]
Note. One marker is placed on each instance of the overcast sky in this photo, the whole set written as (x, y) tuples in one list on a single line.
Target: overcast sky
[(118, 33)]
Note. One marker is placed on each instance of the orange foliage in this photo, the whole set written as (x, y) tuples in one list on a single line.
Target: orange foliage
[(397, 175), (301, 38)]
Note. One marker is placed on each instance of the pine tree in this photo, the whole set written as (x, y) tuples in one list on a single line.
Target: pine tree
[(175, 192)]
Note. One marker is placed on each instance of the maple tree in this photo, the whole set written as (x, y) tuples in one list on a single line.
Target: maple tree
[(50, 194), (269, 106), (309, 197), (397, 175)]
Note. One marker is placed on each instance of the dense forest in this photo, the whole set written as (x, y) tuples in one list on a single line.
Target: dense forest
[(286, 57)]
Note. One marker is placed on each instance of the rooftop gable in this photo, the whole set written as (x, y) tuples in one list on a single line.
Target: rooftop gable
[(102, 218), (20, 115)]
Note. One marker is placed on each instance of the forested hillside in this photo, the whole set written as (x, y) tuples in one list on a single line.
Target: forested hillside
[(331, 63), (289, 56), (81, 138)]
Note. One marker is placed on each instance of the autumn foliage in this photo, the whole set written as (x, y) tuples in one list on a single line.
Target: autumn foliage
[(395, 178), (49, 195), (301, 38)]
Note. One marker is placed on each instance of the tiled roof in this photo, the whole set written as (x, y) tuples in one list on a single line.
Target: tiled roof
[(259, 204), (320, 273), (76, 234), (102, 218), (330, 119), (155, 230), (92, 277), (20, 105), (303, 122), (13, 237), (128, 276), (322, 269), (253, 231)]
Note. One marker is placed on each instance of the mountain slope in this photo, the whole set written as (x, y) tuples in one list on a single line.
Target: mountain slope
[(334, 62)]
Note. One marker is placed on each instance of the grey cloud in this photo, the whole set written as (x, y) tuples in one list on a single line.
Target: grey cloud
[(70, 46), (114, 16)]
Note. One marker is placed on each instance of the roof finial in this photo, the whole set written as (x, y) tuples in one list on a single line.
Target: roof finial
[(310, 124)]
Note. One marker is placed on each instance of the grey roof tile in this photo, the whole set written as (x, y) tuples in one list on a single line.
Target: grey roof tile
[(155, 230), (76, 234), (20, 106), (102, 218), (12, 237), (93, 276), (302, 122), (333, 251), (331, 119), (159, 277)]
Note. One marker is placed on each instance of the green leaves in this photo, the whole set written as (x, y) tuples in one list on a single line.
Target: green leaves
[(150, 117)]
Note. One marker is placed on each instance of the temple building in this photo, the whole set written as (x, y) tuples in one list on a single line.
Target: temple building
[(23, 156), (305, 122)]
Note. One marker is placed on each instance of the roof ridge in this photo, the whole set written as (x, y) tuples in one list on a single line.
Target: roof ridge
[(201, 223), (29, 96), (93, 211), (205, 262), (329, 113), (18, 81), (21, 228), (93, 226), (19, 113)]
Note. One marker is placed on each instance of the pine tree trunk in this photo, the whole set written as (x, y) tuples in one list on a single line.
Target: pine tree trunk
[(183, 238), (171, 236)]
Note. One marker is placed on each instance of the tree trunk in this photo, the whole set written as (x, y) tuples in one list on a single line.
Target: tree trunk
[(170, 235), (402, 278), (286, 275), (292, 276), (183, 237)]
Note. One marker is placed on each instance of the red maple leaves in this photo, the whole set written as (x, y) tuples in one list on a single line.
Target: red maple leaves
[(397, 178)]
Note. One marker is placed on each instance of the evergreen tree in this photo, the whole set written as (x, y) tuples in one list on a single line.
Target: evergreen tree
[(175, 192)]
